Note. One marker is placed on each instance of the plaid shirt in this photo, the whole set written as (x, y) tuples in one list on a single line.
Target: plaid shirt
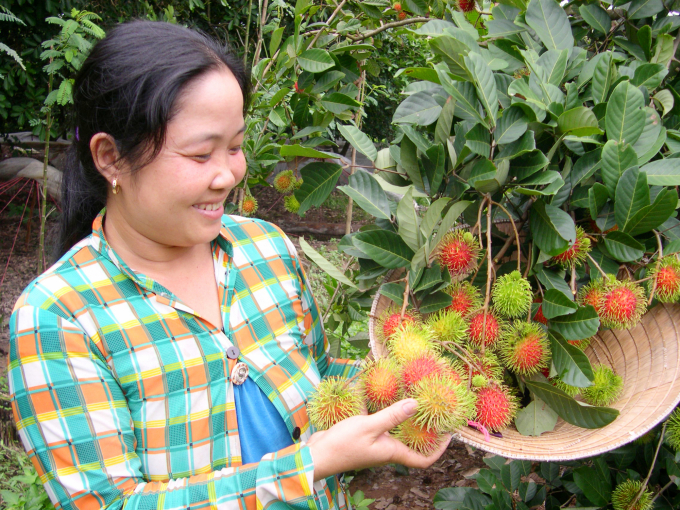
[(122, 395)]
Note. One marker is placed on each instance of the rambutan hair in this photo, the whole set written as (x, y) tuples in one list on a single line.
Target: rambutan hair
[(665, 274), (496, 407), (458, 251), (512, 295), (525, 349)]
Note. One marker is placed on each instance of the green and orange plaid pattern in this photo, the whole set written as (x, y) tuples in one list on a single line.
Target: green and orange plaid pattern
[(122, 395)]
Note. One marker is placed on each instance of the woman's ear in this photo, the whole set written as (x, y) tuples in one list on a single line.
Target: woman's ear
[(105, 155)]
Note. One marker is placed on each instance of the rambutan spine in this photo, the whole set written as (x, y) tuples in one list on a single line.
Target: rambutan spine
[(443, 405), (448, 326), (249, 205), (381, 383), (418, 438), (333, 401), (488, 334), (391, 320), (458, 252), (623, 304), (512, 295), (576, 254), (410, 341), (673, 430), (627, 492), (525, 349), (465, 297), (496, 407), (284, 182), (607, 387)]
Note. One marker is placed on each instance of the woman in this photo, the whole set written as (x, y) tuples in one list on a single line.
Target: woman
[(165, 360)]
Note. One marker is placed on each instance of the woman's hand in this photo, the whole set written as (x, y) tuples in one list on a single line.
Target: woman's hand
[(364, 441)]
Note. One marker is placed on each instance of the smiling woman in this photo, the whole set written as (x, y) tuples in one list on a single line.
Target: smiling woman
[(165, 360)]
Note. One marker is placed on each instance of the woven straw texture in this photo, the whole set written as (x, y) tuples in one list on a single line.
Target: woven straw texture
[(648, 359)]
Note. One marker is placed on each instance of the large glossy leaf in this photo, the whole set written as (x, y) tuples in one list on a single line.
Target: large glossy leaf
[(554, 63), (594, 487), (316, 60), (385, 247), (535, 419), (409, 161), (319, 180), (461, 498), (651, 139), (433, 165), (604, 73), (556, 303), (550, 23), (579, 121), (571, 411), (485, 84), (525, 144), (623, 247), (478, 140), (419, 108), (552, 228), (394, 291), (577, 326), (368, 194), (625, 118), (572, 365), (324, 264), (654, 215), (616, 159), (443, 128), (337, 103), (663, 172), (632, 194), (644, 8), (435, 301), (512, 124), (649, 76), (528, 164), (305, 152), (467, 104), (597, 197), (502, 28), (585, 166), (432, 216), (596, 17), (409, 230), (359, 140), (486, 177)]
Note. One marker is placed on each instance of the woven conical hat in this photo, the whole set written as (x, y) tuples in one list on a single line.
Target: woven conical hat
[(646, 356)]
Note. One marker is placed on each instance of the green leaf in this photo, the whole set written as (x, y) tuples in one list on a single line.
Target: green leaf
[(359, 140), (461, 498), (443, 128), (319, 179), (409, 161), (632, 194), (570, 410), (555, 304), (524, 145), (652, 138), (572, 365), (316, 60), (502, 28), (553, 229), (649, 75), (528, 164), (449, 220), (550, 23), (433, 165), (663, 172), (644, 8), (435, 301), (585, 166), (326, 81), (365, 190), (486, 177), (394, 291), (432, 277), (623, 247), (579, 121), (336, 102), (432, 216), (419, 108), (485, 84), (512, 124), (596, 17), (305, 152), (604, 73), (478, 140), (535, 419), (597, 197), (616, 159), (665, 99), (510, 476), (408, 221), (324, 264), (577, 326), (555, 64), (385, 247), (597, 490), (625, 118), (467, 105), (654, 215)]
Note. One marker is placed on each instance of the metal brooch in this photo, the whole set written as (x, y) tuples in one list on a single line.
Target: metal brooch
[(239, 373)]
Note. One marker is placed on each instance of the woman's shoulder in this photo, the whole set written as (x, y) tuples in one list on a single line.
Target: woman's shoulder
[(242, 231)]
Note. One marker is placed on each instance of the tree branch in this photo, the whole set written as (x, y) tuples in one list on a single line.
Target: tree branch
[(386, 26)]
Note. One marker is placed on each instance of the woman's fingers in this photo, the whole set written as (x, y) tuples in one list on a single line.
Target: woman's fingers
[(393, 416), (407, 457)]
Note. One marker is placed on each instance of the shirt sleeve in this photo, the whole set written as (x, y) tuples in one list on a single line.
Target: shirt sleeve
[(76, 427)]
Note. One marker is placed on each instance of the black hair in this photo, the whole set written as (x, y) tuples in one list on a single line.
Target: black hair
[(128, 87)]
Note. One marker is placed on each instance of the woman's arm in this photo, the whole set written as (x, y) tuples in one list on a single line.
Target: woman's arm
[(74, 422)]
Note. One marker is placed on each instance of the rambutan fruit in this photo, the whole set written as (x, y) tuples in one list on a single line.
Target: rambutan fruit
[(291, 204), (593, 293), (418, 438), (512, 295), (673, 430), (486, 364), (525, 349), (576, 254), (249, 205), (397, 6), (443, 405), (538, 316), (570, 390), (607, 387), (456, 371), (419, 367), (467, 5), (489, 334), (465, 297), (580, 344), (390, 320), (626, 492), (447, 326), (381, 383), (458, 252), (666, 272), (479, 381), (623, 304), (333, 401), (298, 182), (410, 341), (402, 15), (284, 182), (496, 407)]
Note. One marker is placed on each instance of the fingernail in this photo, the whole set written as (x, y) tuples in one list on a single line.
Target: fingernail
[(410, 407)]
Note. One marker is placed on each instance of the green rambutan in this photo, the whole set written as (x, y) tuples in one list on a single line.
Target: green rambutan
[(626, 492), (570, 390), (496, 407), (291, 204), (390, 320), (525, 349), (418, 438), (298, 182), (623, 304), (673, 430), (410, 341), (512, 295), (593, 293), (443, 405), (458, 252), (249, 205), (421, 366), (479, 381), (576, 254), (489, 334), (381, 383), (448, 326), (606, 389), (284, 182), (333, 401), (465, 297), (666, 271)]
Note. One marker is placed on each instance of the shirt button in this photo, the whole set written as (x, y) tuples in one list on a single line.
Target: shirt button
[(233, 352), (296, 433)]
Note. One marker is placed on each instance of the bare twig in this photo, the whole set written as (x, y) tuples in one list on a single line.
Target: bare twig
[(489, 268), (264, 73), (328, 22), (386, 26), (660, 244), (514, 228), (572, 283), (405, 303), (662, 489), (335, 293), (508, 241), (597, 265)]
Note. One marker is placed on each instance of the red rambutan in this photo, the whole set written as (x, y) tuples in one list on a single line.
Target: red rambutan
[(391, 320), (478, 333), (458, 252), (381, 383), (420, 439), (397, 6), (525, 349), (496, 407), (421, 366), (465, 297), (666, 271), (593, 293), (538, 316), (467, 5), (623, 304), (576, 253), (402, 15)]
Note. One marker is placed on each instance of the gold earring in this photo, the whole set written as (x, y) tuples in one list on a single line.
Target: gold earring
[(115, 186)]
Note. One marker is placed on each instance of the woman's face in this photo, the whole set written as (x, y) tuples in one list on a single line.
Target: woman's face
[(176, 200)]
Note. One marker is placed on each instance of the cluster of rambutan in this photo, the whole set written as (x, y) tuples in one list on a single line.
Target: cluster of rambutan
[(620, 304), (576, 254), (285, 183)]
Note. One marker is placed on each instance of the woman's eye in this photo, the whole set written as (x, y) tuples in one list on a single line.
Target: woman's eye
[(235, 150), (202, 157)]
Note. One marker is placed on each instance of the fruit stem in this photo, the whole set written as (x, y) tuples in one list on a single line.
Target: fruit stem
[(406, 289), (573, 280), (489, 266), (662, 489), (658, 241), (467, 359), (651, 468), (596, 265), (514, 228)]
